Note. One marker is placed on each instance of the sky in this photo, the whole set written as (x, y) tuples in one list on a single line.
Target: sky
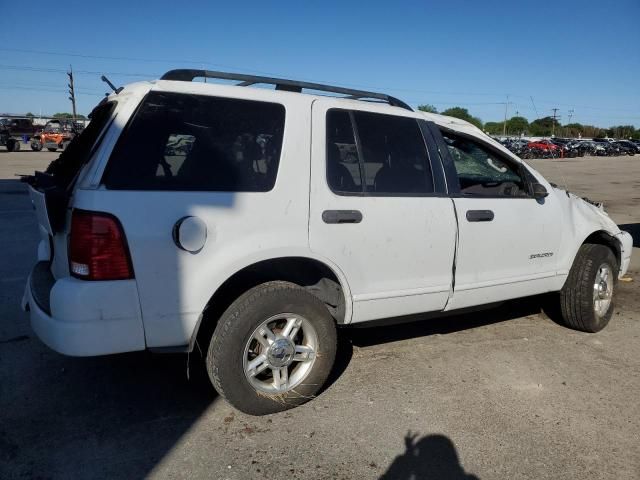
[(582, 57)]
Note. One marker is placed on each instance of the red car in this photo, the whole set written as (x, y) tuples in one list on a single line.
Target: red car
[(543, 145)]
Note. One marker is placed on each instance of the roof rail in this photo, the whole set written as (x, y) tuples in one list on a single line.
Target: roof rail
[(187, 75)]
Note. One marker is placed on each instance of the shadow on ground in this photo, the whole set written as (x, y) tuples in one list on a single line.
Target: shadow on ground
[(634, 230), (98, 417), (393, 330), (431, 457)]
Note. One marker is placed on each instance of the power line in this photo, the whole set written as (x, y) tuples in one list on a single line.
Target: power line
[(82, 72), (48, 90), (199, 62)]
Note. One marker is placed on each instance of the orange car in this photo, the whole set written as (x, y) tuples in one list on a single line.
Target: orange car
[(56, 135)]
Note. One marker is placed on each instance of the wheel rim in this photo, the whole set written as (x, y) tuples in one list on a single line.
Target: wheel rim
[(280, 353), (602, 290)]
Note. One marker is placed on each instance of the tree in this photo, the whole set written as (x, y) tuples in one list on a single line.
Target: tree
[(427, 108), (573, 130), (517, 125), (463, 114), (493, 128), (66, 115), (621, 131), (29, 115), (543, 127)]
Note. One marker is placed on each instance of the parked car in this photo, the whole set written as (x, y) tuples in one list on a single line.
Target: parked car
[(15, 130), (627, 147), (56, 134), (544, 145), (258, 237), (589, 147)]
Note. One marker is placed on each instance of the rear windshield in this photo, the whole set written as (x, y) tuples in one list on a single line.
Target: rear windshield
[(79, 151), (180, 141)]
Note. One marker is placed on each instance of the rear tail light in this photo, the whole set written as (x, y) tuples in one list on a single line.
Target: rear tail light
[(98, 248)]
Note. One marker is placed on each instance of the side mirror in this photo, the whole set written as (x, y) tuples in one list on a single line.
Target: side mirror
[(539, 191)]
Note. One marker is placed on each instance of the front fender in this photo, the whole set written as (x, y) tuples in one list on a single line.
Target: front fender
[(582, 222)]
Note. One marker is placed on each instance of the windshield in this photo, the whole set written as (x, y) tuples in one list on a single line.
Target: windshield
[(52, 127)]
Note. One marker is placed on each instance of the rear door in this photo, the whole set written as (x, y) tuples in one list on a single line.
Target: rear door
[(378, 211), (212, 160)]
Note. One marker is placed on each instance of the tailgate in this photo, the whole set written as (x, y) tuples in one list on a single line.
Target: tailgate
[(50, 212)]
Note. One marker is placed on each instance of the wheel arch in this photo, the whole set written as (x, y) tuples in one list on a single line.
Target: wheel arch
[(602, 237), (318, 276)]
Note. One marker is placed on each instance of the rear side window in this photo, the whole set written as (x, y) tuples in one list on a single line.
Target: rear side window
[(194, 142), (389, 159)]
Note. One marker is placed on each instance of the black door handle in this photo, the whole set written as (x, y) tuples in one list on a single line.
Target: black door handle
[(341, 216), (479, 215)]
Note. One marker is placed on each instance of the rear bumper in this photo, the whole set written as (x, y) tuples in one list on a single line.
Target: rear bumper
[(626, 241), (81, 318)]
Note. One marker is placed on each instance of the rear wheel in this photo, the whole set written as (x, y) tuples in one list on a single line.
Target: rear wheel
[(586, 300), (36, 146), (13, 145), (272, 349)]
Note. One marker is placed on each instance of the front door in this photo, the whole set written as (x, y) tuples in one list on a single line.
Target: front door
[(376, 214), (508, 241)]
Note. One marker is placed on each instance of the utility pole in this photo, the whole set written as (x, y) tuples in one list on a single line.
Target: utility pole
[(504, 125), (72, 93), (570, 114), (553, 125)]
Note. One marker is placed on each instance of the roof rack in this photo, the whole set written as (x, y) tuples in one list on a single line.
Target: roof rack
[(187, 75)]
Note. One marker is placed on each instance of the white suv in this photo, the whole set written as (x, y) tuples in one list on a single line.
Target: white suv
[(247, 223)]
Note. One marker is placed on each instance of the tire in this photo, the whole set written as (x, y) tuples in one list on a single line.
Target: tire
[(52, 149), (36, 146), (578, 297), (234, 345), (11, 145)]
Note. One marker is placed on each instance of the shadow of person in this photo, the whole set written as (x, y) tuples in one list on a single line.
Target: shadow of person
[(432, 457)]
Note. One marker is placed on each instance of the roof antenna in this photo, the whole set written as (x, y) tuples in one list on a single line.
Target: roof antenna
[(111, 85)]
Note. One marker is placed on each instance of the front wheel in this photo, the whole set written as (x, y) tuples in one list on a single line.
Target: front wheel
[(586, 300), (273, 349), (36, 146)]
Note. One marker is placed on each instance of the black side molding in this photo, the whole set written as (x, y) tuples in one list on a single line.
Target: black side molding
[(341, 216), (479, 215)]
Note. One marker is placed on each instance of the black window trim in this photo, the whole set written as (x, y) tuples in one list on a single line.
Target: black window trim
[(452, 176), (439, 187)]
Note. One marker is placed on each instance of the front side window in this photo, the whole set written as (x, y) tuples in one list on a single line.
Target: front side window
[(195, 142), (390, 158), (482, 172)]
